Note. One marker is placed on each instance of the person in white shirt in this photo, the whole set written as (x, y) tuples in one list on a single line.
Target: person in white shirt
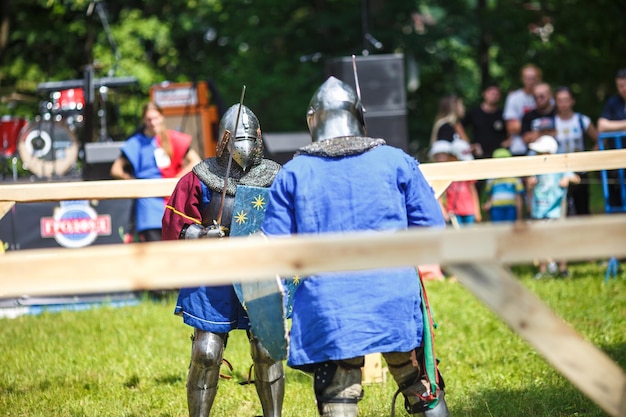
[(518, 103), (571, 128)]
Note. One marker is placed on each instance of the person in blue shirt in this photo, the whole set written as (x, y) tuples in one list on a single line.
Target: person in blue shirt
[(504, 195), (548, 193), (345, 181), (613, 119), (153, 151)]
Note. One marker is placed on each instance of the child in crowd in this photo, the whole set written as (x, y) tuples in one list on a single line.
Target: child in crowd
[(504, 195), (547, 193), (460, 203)]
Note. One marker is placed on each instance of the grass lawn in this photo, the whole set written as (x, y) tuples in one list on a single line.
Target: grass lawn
[(132, 361)]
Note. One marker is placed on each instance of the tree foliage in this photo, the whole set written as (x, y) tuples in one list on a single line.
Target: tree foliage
[(278, 49)]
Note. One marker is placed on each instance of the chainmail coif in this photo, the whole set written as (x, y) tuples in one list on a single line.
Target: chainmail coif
[(341, 146), (212, 171)]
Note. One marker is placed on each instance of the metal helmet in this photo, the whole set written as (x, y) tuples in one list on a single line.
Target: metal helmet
[(334, 111), (247, 145)]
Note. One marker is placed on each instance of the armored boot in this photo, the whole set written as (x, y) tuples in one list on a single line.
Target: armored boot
[(338, 387), (440, 410), (414, 387), (269, 379), (207, 350)]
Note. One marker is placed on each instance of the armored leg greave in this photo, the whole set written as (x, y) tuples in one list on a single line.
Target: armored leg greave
[(207, 350), (413, 386), (269, 379), (338, 387)]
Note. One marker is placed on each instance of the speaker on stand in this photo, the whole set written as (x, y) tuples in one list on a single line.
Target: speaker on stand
[(383, 93)]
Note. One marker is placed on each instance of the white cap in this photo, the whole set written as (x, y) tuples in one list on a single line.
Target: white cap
[(544, 144), (462, 150), (440, 146)]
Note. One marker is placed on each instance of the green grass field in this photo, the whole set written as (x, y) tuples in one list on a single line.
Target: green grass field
[(132, 361)]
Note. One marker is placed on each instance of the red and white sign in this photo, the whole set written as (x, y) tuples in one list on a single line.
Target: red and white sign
[(75, 225)]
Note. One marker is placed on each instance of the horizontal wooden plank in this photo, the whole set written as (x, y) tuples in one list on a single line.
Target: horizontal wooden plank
[(584, 365), (87, 190), (448, 171), (521, 166), (188, 263)]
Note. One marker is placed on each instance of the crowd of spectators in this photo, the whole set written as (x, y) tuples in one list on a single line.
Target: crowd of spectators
[(536, 118)]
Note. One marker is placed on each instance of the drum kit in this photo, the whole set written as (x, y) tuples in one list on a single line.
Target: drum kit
[(46, 146)]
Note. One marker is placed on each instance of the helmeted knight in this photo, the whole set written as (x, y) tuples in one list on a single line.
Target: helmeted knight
[(339, 319), (201, 206)]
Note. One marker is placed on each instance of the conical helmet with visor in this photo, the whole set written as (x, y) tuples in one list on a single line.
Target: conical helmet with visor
[(246, 145)]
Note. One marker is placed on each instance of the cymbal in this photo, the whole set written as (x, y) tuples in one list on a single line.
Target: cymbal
[(14, 97)]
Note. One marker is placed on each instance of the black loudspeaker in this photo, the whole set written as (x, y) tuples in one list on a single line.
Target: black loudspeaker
[(391, 126), (99, 157), (381, 78), (383, 93), (280, 147)]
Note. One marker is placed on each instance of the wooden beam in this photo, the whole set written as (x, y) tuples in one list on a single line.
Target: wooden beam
[(5, 206), (434, 172), (87, 190), (175, 264), (439, 186), (584, 365), (522, 166)]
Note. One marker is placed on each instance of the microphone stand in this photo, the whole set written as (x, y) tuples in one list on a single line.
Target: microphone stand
[(102, 15)]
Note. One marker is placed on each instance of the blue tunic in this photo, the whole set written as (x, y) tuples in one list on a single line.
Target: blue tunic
[(345, 315), (213, 308), (139, 150)]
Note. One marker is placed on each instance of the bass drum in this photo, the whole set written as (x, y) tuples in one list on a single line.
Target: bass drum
[(47, 148)]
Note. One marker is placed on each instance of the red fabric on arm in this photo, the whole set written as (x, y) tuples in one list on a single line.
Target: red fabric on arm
[(183, 206)]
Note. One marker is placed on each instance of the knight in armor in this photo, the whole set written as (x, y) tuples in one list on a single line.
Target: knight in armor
[(345, 181), (196, 210)]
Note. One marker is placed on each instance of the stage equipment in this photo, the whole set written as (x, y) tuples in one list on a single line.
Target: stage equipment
[(281, 146), (69, 105), (99, 157), (10, 128), (47, 148), (187, 108), (382, 84), (87, 86), (111, 82)]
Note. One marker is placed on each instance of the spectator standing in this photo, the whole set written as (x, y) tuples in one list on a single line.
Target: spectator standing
[(460, 203), (448, 122), (504, 200), (547, 193), (540, 121), (571, 128), (153, 151), (485, 123), (613, 119), (518, 103)]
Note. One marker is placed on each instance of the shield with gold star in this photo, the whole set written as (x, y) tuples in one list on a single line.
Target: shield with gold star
[(267, 302)]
